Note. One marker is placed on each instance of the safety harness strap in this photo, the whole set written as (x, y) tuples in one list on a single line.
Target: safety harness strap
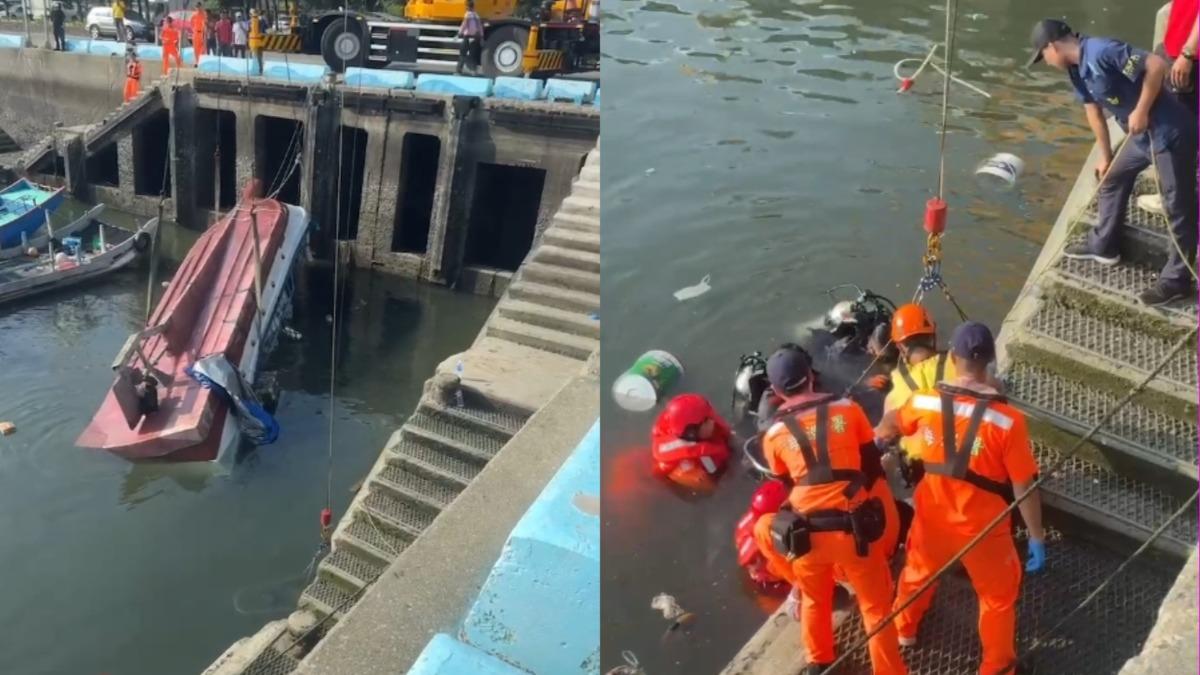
[(941, 367), (820, 469), (958, 456), (902, 368)]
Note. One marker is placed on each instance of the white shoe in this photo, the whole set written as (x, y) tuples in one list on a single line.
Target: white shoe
[(908, 641), (1152, 204)]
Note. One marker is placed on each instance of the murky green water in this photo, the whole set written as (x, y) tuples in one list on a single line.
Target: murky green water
[(762, 142), (129, 569)]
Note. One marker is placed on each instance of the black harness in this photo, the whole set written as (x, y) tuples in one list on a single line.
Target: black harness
[(902, 368), (958, 454)]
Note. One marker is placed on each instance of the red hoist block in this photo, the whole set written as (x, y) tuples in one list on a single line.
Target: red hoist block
[(935, 216), (326, 517)]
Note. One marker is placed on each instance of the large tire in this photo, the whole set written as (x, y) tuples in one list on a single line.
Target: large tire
[(503, 50), (94, 31), (141, 241), (343, 45)]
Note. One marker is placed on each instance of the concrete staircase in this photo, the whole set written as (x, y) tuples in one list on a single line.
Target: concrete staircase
[(553, 302), (1081, 340)]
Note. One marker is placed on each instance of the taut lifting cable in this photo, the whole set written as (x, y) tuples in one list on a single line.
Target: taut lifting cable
[(1020, 499)]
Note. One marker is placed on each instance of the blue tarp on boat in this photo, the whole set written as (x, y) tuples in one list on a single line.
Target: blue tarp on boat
[(23, 208)]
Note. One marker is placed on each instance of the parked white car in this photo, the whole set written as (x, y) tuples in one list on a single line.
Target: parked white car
[(100, 25)]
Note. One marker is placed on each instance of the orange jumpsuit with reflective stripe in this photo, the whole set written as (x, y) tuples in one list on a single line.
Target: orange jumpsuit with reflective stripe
[(847, 429), (951, 511), (170, 47), (199, 26), (133, 79)]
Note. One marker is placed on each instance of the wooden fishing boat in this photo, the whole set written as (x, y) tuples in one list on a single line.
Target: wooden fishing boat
[(40, 237), (217, 319), (23, 209), (62, 268)]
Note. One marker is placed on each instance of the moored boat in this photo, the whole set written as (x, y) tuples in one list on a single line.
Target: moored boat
[(39, 237), (23, 209), (181, 379)]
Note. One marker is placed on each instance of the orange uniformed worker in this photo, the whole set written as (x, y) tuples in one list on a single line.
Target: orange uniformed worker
[(830, 520), (133, 75), (170, 45), (977, 455), (199, 27)]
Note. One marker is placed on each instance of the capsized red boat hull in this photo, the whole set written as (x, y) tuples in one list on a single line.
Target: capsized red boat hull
[(209, 307)]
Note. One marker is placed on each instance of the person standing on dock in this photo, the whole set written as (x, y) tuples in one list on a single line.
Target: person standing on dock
[(133, 73), (256, 39), (825, 445), (471, 33), (170, 46), (199, 27), (977, 455), (1109, 74), (57, 19), (240, 32), (224, 31), (118, 14), (1179, 45)]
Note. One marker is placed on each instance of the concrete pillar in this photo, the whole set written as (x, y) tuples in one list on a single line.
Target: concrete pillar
[(320, 156), (443, 255), (312, 121), (126, 173), (247, 152), (183, 157), (381, 178), (75, 158)]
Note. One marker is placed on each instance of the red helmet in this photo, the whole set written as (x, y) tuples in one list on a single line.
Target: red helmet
[(683, 411), (769, 497)]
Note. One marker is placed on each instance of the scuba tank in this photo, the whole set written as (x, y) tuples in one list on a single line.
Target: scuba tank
[(749, 383)]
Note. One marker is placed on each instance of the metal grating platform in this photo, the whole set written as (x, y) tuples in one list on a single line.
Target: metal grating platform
[(398, 513), (356, 566), (1125, 280), (1134, 215), (461, 471), (479, 407), (376, 537), (446, 426), (1097, 641), (1113, 342), (1076, 405), (408, 481), (325, 592), (1139, 505), (271, 662)]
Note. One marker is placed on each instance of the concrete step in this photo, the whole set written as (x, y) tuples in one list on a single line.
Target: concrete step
[(407, 484), (554, 341), (576, 221), (1113, 502), (348, 569), (1119, 286), (578, 204), (550, 317), (560, 277), (554, 296), (1144, 434), (370, 540), (1068, 334), (399, 516), (479, 413), (586, 188), (271, 662), (434, 463), (590, 172), (440, 431), (575, 240), (325, 598), (565, 257)]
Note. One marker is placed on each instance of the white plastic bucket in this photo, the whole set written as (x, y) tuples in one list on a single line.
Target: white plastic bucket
[(639, 388), (1005, 166)]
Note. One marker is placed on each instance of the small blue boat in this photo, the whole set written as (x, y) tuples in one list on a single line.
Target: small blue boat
[(23, 209)]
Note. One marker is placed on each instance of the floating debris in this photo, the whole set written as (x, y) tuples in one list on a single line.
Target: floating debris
[(631, 667), (667, 604), (689, 292), (291, 333), (7, 428)]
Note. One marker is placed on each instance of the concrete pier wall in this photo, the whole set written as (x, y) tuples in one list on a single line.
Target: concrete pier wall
[(429, 186)]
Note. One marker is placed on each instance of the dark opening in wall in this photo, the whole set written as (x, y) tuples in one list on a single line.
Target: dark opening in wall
[(349, 198), (216, 158), (414, 203), (278, 149), (151, 148), (503, 215), (102, 167)]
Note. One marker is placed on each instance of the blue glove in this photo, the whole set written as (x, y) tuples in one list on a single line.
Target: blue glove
[(1037, 555)]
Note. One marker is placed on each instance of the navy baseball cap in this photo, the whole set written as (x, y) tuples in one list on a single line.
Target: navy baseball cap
[(973, 341), (789, 369), (1045, 32)]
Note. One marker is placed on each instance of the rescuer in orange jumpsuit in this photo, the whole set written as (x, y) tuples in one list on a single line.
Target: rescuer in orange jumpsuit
[(690, 442), (969, 479), (170, 45), (199, 26), (826, 446), (133, 75)]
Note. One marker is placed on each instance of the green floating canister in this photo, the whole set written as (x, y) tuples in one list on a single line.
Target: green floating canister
[(640, 388)]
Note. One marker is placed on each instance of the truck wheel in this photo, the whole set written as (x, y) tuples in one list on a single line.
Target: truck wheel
[(94, 31), (503, 51), (342, 45)]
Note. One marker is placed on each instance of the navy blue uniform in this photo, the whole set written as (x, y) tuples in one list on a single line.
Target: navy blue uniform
[(1110, 74)]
